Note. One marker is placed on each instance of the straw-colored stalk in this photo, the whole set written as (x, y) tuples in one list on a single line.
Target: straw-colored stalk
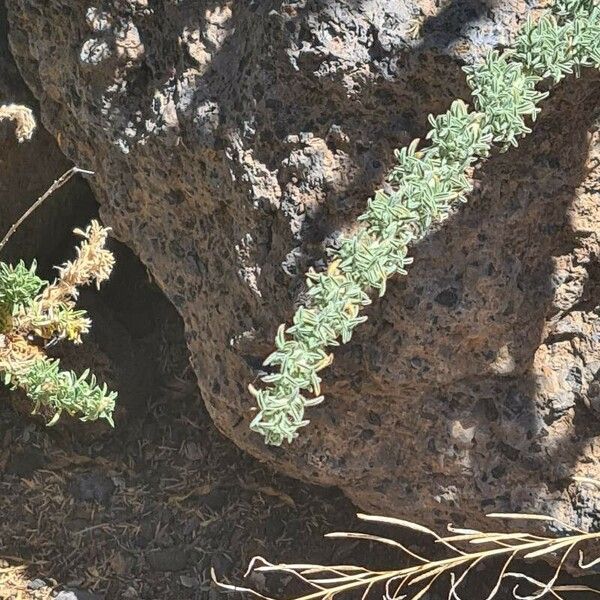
[(467, 549)]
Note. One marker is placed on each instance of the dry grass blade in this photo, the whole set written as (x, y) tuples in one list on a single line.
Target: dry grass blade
[(499, 539), (408, 525), (545, 588), (366, 592), (548, 550), (461, 530), (236, 588), (500, 579), (455, 583), (425, 589), (576, 588), (585, 566)]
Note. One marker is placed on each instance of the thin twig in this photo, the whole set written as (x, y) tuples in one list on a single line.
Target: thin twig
[(55, 186)]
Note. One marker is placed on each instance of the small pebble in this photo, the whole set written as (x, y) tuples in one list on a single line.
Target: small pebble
[(36, 584)]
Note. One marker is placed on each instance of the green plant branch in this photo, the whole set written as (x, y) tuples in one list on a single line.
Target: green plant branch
[(427, 183), (60, 391), (34, 312)]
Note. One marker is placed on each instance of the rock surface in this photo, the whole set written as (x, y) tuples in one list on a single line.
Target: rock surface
[(234, 141)]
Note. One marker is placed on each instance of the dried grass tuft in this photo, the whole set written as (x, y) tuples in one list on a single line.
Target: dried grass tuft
[(467, 549), (22, 117)]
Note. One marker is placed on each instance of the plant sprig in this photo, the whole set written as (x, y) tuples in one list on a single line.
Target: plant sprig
[(427, 183), (34, 312)]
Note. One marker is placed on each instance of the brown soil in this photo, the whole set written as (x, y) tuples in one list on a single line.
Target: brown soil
[(147, 509)]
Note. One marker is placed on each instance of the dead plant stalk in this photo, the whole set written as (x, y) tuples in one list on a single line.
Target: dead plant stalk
[(414, 581)]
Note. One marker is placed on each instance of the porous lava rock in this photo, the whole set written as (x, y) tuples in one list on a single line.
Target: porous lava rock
[(233, 142)]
